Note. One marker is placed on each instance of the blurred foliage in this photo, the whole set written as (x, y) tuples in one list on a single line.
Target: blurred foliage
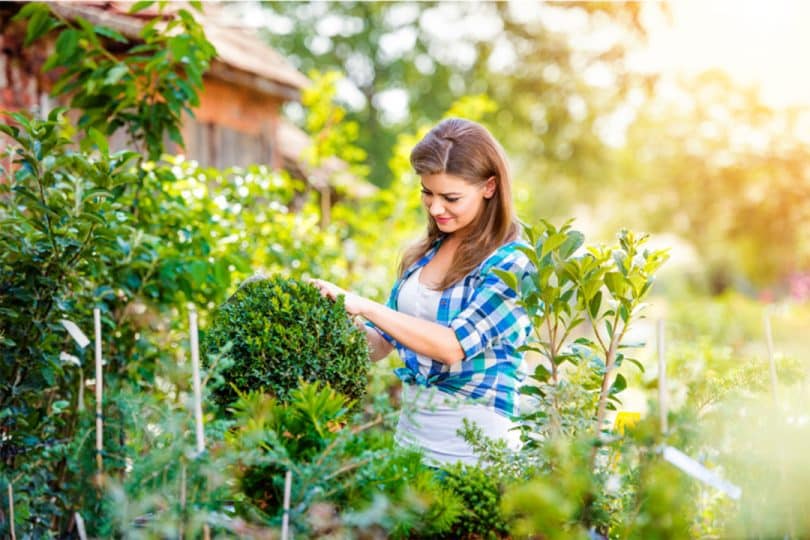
[(725, 172), (141, 87), (425, 56), (761, 446)]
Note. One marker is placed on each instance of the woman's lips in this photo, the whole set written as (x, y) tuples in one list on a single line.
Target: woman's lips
[(442, 220)]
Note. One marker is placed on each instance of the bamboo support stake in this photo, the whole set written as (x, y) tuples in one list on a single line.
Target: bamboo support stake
[(195, 377), (662, 379), (285, 522), (99, 391), (197, 387), (80, 529), (181, 531), (11, 511), (771, 360)]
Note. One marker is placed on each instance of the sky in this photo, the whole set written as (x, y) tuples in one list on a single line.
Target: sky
[(760, 42)]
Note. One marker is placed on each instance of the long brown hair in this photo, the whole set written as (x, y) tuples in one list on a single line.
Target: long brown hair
[(466, 149)]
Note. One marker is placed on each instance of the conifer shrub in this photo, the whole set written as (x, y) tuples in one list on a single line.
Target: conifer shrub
[(282, 331), (480, 493)]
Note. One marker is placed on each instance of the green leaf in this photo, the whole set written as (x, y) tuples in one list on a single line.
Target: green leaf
[(532, 347), (541, 373), (619, 384), (507, 277), (140, 6), (530, 253), (66, 45), (110, 33), (97, 193), (30, 9), (573, 242), (636, 363), (595, 304), (11, 131), (531, 390), (620, 258), (552, 242), (99, 140), (615, 284), (116, 73), (23, 120), (34, 200), (90, 216), (59, 406), (38, 25)]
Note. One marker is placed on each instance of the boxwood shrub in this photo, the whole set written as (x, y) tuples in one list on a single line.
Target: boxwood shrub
[(282, 331)]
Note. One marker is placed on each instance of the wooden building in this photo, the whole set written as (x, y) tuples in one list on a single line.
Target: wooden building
[(238, 121)]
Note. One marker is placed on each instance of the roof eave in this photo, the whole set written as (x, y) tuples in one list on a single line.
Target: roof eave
[(226, 73)]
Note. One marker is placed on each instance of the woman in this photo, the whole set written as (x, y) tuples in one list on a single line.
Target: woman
[(453, 321)]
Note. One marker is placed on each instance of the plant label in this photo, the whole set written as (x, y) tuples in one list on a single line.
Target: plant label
[(76, 333), (698, 471)]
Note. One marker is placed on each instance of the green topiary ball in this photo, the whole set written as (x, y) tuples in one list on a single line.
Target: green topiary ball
[(282, 330)]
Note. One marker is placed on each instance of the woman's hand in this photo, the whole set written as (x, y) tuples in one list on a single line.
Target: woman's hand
[(353, 302), (424, 337)]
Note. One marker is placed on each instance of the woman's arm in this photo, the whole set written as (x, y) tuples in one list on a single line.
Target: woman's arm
[(423, 337), (378, 346)]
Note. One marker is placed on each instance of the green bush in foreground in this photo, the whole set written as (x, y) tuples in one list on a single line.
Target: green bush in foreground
[(283, 331)]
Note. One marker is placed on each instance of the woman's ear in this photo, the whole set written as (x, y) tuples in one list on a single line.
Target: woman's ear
[(489, 187)]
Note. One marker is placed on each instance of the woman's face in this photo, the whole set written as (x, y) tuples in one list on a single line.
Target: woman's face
[(452, 202)]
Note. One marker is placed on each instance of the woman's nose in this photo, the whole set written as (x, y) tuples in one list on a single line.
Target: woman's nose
[(436, 207)]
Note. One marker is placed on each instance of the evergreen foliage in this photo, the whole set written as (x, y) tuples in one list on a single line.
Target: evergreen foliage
[(282, 331), (480, 492)]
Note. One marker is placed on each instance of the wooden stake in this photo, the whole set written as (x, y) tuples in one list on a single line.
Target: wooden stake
[(99, 391), (80, 527), (11, 511), (771, 360), (80, 401), (181, 532), (285, 522), (662, 379), (195, 377)]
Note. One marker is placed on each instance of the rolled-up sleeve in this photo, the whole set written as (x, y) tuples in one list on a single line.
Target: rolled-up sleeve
[(390, 303), (385, 335), (493, 312)]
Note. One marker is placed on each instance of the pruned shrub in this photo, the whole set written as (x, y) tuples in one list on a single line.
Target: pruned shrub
[(283, 331)]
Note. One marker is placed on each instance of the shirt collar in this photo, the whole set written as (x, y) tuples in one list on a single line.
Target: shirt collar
[(425, 258)]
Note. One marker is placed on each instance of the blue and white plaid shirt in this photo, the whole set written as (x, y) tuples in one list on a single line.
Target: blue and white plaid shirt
[(489, 325)]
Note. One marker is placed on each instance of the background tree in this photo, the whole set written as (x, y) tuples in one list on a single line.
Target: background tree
[(406, 63), (707, 160)]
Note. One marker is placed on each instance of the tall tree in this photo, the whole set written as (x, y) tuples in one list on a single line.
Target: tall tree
[(408, 62)]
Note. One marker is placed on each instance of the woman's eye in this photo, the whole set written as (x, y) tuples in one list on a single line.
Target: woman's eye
[(451, 199)]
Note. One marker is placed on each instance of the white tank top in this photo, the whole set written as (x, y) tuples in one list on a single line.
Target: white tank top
[(430, 419)]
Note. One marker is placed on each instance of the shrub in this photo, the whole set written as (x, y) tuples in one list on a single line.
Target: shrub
[(282, 331), (480, 492)]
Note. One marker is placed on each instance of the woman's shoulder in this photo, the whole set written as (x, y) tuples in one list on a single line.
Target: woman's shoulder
[(510, 257)]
